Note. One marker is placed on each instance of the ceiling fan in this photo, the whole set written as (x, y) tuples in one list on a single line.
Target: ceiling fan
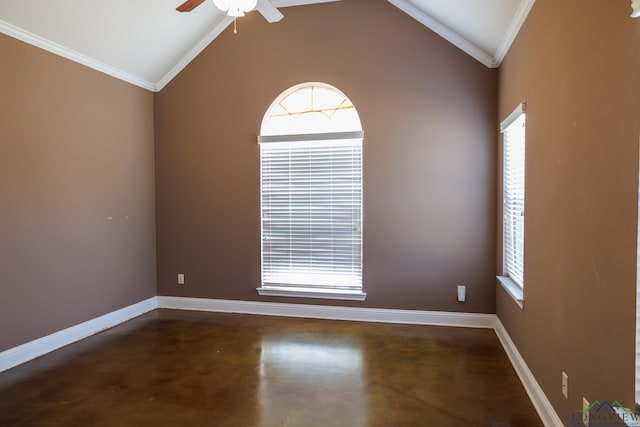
[(235, 8)]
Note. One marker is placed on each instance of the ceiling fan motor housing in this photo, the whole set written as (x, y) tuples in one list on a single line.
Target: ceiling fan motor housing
[(235, 7)]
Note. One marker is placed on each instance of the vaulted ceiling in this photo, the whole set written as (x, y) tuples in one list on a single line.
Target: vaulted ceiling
[(147, 42)]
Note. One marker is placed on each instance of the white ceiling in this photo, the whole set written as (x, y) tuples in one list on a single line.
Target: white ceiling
[(484, 29), (147, 43)]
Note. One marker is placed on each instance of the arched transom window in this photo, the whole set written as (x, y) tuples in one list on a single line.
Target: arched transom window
[(311, 195), (310, 108)]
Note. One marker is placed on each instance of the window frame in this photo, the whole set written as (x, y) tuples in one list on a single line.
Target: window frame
[(356, 293), (514, 287)]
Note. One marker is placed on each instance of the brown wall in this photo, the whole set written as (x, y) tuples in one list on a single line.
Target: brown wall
[(576, 63), (429, 113), (76, 147)]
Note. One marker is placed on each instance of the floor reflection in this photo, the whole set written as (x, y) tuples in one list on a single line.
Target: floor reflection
[(311, 382)]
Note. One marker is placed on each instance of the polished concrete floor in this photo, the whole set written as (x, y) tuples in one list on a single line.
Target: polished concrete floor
[(175, 368)]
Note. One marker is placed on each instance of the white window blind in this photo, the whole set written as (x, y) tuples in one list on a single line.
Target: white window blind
[(311, 196), (513, 129)]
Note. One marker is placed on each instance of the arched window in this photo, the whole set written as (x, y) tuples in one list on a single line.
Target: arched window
[(311, 195), (310, 108)]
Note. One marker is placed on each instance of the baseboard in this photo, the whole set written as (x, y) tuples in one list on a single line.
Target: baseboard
[(437, 318), (41, 346), (536, 394), (18, 355)]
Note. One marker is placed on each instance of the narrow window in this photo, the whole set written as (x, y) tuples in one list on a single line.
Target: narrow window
[(311, 195), (513, 172)]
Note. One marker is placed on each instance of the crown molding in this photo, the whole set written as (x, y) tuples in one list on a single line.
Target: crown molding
[(635, 5), (212, 35), (72, 55), (446, 32), (193, 53), (514, 28)]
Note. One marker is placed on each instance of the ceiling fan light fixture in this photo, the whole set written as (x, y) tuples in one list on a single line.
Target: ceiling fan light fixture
[(235, 8)]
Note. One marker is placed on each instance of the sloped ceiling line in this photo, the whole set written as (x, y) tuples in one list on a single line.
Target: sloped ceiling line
[(461, 42), (445, 32), (193, 53), (514, 29), (42, 43), (486, 58)]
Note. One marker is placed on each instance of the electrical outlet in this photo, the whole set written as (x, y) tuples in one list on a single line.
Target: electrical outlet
[(180, 279), (585, 412), (565, 385), (462, 293)]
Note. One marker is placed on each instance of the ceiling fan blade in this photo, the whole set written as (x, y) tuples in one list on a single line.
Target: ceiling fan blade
[(269, 11), (189, 5)]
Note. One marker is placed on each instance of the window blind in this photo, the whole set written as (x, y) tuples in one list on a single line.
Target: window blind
[(311, 196), (513, 196)]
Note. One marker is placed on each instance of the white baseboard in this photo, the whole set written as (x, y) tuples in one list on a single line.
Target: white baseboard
[(41, 346), (438, 318), (536, 394), (36, 348)]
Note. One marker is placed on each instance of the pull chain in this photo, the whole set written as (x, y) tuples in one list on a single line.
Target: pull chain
[(235, 28)]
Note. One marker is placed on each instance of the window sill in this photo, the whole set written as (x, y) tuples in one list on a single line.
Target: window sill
[(515, 292), (307, 293)]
